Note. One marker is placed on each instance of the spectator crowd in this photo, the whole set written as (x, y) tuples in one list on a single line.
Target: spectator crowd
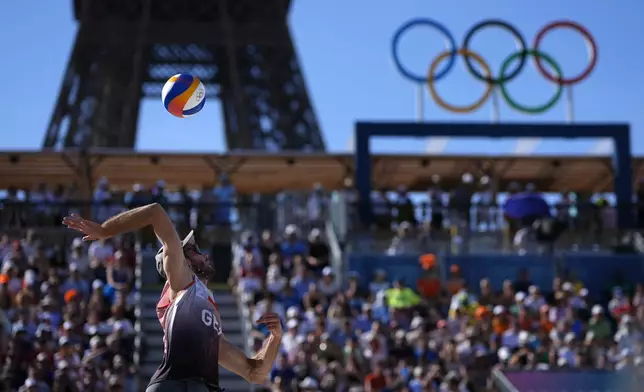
[(377, 333), (66, 315)]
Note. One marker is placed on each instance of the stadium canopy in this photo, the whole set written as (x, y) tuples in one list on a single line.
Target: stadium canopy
[(270, 173)]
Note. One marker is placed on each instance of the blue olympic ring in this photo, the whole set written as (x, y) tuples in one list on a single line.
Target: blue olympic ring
[(423, 22)]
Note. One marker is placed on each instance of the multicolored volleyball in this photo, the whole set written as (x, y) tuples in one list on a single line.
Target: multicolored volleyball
[(183, 95)]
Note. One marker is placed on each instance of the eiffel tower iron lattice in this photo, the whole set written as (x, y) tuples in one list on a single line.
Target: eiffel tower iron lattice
[(242, 50)]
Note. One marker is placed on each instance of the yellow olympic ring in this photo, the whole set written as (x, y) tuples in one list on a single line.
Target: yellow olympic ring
[(440, 101)]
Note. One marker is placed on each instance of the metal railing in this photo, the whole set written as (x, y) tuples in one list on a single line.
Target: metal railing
[(475, 228)]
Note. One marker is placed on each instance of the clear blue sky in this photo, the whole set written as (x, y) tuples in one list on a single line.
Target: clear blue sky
[(344, 49)]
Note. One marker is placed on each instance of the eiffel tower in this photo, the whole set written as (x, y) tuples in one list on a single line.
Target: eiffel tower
[(242, 51)]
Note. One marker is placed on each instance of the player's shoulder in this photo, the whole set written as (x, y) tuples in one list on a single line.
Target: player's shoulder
[(166, 294)]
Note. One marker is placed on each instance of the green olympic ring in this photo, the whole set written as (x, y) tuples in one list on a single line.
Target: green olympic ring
[(531, 109)]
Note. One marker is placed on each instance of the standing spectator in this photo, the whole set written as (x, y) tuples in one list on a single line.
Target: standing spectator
[(317, 206)]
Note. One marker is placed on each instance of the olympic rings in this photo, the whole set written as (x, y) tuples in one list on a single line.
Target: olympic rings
[(505, 26), (505, 75), (423, 22), (589, 39), (431, 79), (526, 109)]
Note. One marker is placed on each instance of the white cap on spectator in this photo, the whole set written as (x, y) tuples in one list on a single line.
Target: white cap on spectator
[(498, 309), (292, 323), (17, 328), (583, 292), (524, 336), (400, 334), (315, 233), (309, 383), (327, 271), (519, 297), (293, 312), (73, 267), (95, 341), (41, 357), (7, 266), (416, 322), (290, 229), (67, 325), (418, 371), (97, 284), (77, 242), (503, 353), (44, 287), (30, 278), (63, 364), (597, 309), (567, 286)]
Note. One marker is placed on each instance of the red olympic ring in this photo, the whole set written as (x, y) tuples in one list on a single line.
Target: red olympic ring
[(589, 39)]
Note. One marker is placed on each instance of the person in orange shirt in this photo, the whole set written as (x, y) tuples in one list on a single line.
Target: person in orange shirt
[(544, 320), (455, 282), (376, 380), (501, 320), (429, 284)]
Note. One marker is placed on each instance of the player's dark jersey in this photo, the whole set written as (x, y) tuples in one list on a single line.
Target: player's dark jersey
[(191, 329)]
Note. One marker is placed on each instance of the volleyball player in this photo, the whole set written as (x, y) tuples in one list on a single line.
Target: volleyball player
[(194, 345)]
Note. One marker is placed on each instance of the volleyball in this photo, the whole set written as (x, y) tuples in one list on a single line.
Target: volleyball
[(183, 95)]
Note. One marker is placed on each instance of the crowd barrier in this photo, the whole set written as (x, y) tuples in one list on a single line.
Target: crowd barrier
[(597, 272)]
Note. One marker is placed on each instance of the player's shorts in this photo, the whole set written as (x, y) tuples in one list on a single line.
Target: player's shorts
[(185, 385)]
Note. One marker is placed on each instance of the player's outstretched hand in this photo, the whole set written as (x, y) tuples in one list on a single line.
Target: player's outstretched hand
[(92, 230), (273, 323)]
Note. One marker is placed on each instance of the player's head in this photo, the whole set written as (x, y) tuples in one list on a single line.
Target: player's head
[(198, 262)]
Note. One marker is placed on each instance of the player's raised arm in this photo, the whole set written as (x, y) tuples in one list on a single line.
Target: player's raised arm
[(256, 369), (176, 269)]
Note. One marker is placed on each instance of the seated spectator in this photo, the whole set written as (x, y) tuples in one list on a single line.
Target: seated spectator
[(292, 245), (55, 323), (120, 275), (318, 252)]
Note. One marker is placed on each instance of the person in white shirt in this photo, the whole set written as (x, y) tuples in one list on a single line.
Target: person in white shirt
[(101, 251), (78, 256)]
